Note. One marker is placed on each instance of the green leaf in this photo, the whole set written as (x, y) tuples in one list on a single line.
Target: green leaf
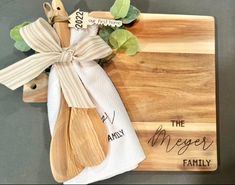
[(105, 32), (22, 46), (120, 8), (15, 32), (132, 15), (131, 47), (123, 40), (16, 36)]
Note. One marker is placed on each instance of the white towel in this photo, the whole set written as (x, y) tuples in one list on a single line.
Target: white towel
[(125, 152)]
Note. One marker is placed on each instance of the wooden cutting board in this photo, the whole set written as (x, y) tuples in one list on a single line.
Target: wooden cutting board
[(168, 90)]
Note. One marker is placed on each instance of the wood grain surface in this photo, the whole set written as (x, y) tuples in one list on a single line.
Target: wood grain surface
[(169, 85), (167, 157), (36, 90), (169, 91)]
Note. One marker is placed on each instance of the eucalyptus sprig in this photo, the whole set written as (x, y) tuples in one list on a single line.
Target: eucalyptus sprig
[(121, 39), (131, 16), (120, 8), (15, 35), (124, 11)]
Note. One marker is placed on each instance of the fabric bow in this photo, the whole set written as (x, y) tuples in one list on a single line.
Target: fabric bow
[(41, 37)]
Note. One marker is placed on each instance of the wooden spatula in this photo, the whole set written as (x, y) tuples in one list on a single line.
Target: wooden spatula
[(88, 136), (87, 133)]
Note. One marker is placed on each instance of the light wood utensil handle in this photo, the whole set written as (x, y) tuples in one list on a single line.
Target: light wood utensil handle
[(64, 163), (86, 133)]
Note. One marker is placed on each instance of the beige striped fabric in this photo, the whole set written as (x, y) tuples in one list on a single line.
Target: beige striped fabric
[(41, 37)]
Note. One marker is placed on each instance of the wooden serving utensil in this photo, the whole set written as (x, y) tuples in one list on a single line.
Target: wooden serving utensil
[(85, 134), (64, 163), (88, 136)]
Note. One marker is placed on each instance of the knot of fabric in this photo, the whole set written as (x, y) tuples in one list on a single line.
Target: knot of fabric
[(49, 52), (66, 55)]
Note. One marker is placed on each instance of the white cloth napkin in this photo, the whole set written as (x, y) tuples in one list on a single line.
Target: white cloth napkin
[(125, 152)]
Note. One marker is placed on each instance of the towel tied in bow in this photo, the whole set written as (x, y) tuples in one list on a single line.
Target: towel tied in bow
[(41, 37)]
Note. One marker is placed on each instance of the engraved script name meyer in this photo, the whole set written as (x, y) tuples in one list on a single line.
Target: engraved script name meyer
[(161, 137)]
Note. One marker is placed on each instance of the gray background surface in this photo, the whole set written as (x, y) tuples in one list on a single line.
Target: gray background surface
[(24, 130)]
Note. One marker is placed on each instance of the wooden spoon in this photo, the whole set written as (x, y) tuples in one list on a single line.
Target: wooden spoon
[(64, 164), (86, 132)]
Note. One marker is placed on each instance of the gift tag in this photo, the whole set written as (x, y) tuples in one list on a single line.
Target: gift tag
[(80, 19)]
